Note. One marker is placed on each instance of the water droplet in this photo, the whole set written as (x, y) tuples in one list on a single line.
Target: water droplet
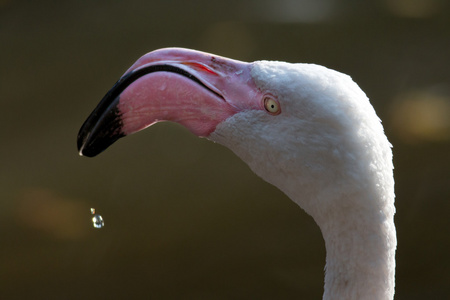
[(97, 221), (92, 211)]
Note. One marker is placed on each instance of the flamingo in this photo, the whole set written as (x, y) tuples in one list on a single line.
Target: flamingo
[(308, 130)]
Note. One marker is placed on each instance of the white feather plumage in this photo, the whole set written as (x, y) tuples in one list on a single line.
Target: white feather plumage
[(328, 152)]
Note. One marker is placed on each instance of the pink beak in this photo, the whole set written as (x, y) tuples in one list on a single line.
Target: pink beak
[(195, 89)]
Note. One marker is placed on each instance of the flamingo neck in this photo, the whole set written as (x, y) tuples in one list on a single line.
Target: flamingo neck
[(350, 198), (360, 260)]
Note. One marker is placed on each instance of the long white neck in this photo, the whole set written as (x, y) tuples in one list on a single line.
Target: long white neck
[(351, 198), (356, 216), (355, 213), (360, 261), (360, 239)]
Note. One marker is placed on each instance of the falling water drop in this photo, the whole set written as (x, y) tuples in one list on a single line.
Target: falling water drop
[(97, 219)]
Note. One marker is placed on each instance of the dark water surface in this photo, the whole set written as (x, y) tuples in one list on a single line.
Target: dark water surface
[(185, 218)]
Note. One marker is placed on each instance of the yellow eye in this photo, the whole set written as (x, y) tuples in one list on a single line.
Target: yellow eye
[(272, 105)]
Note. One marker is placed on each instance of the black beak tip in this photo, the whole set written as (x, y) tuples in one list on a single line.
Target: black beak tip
[(104, 126), (91, 145), (87, 151), (99, 131)]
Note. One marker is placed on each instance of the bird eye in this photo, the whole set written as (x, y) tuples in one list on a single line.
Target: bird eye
[(271, 105)]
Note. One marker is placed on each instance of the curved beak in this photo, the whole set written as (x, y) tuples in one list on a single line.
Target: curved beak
[(195, 89)]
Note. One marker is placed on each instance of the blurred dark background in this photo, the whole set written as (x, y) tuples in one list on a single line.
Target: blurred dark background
[(185, 218)]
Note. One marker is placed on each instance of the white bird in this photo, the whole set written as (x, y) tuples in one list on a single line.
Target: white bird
[(306, 129)]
